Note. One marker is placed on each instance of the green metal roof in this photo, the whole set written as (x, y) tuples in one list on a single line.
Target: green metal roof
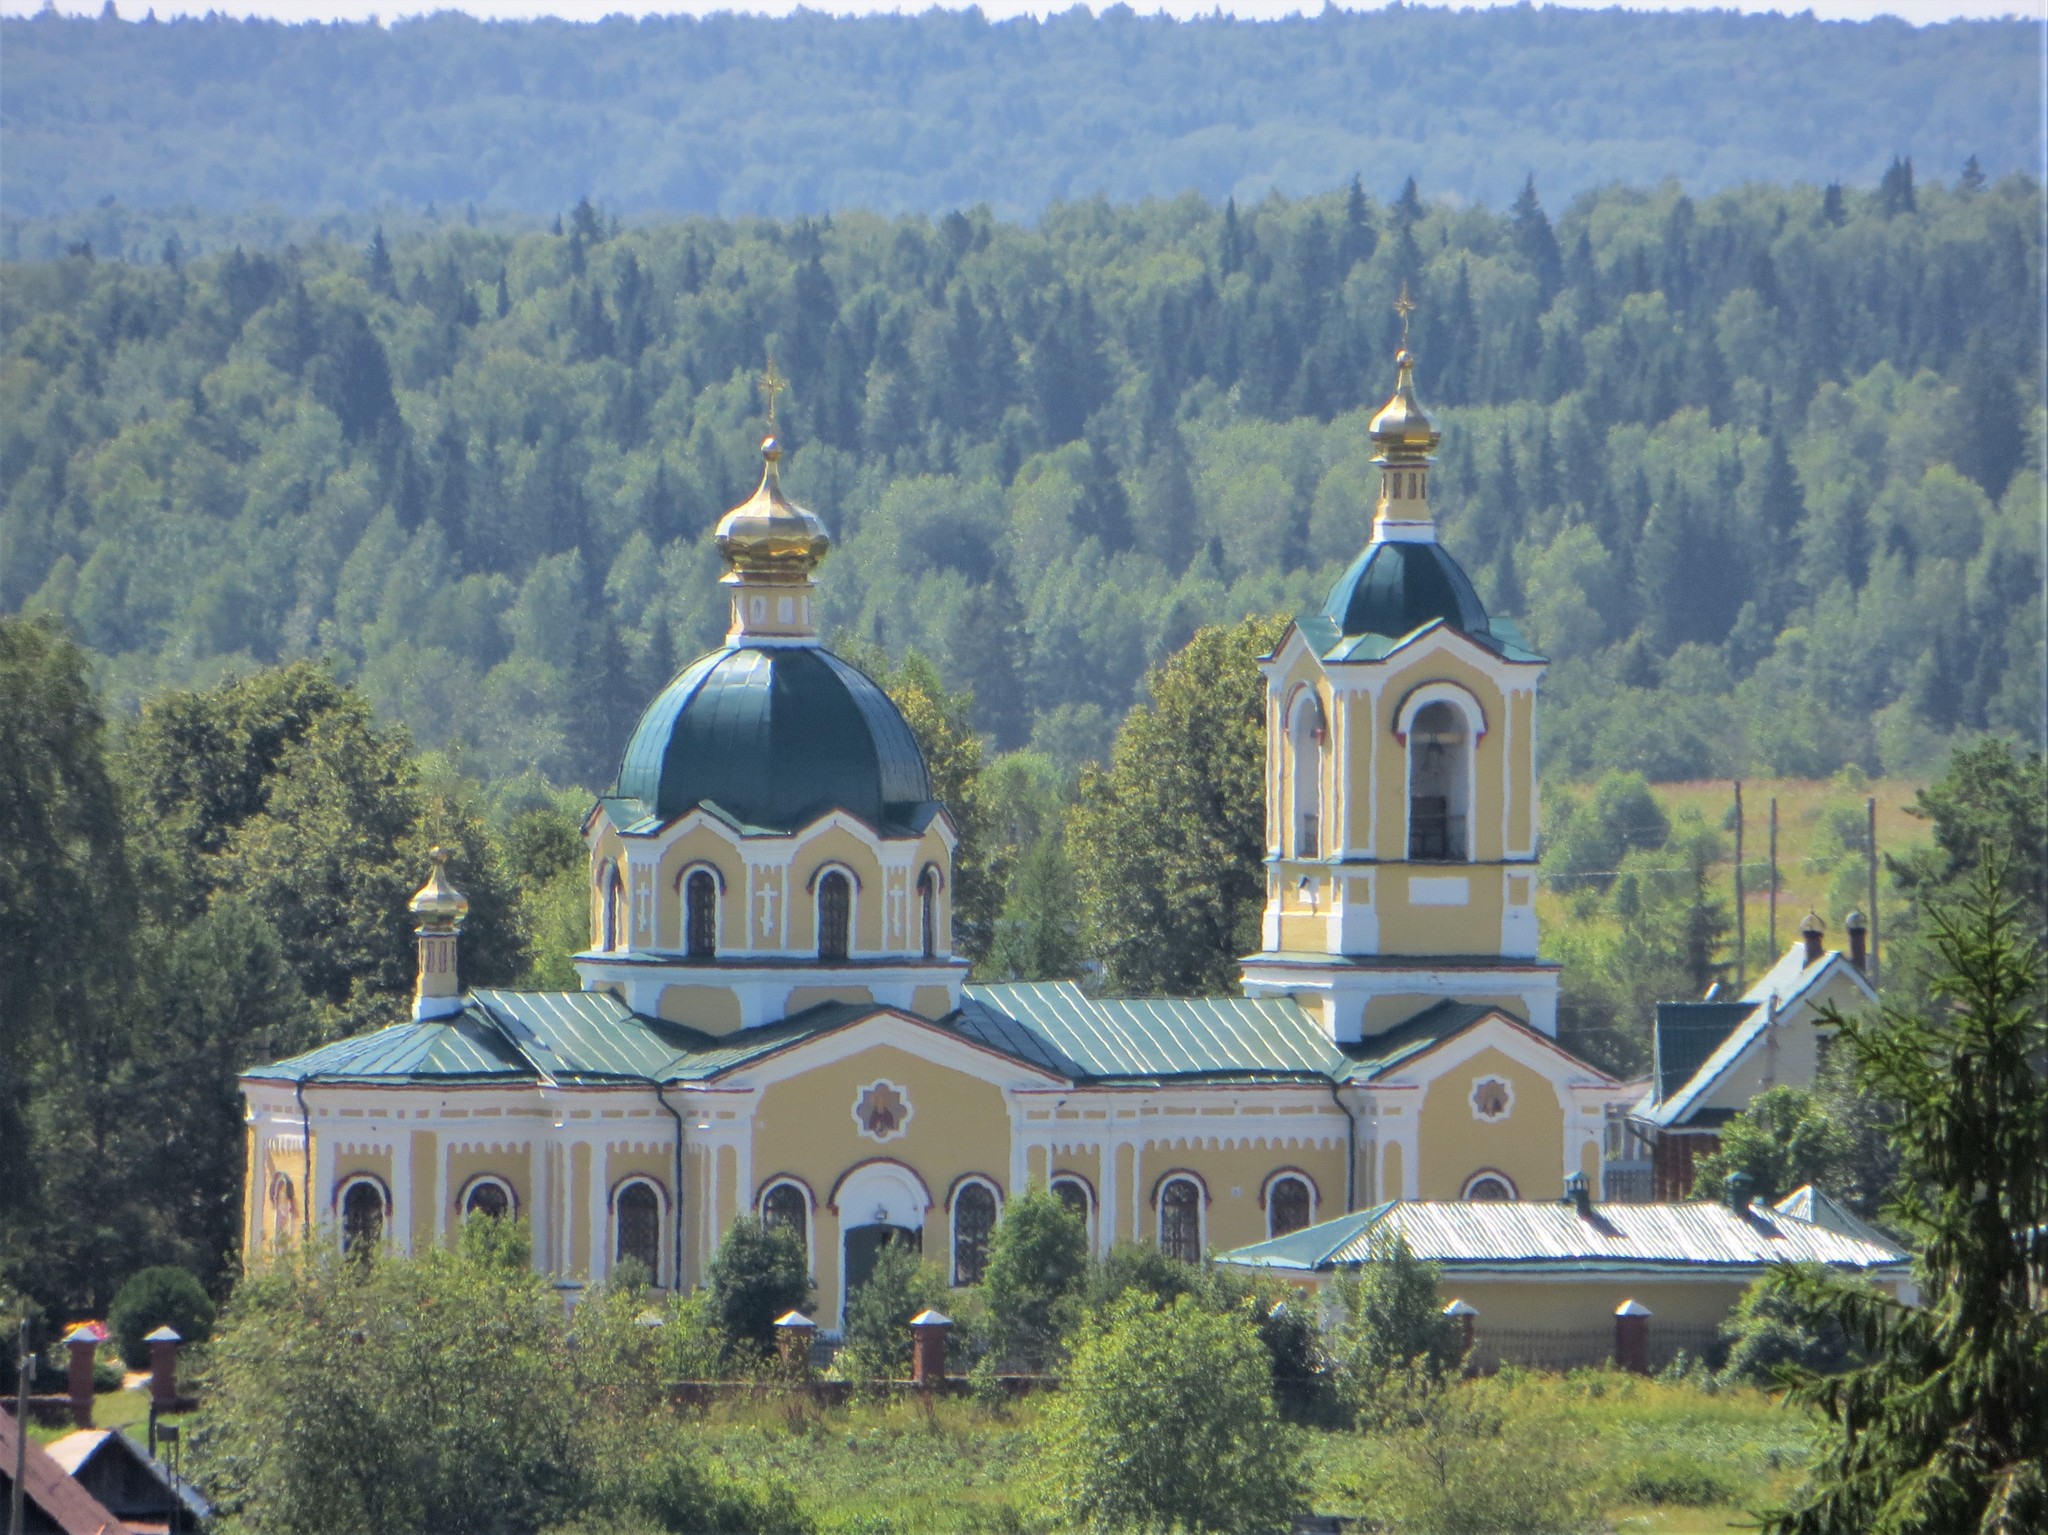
[(1089, 1037), (1545, 1236), (1687, 1033), (1395, 588), (464, 1047), (586, 1036), (773, 737)]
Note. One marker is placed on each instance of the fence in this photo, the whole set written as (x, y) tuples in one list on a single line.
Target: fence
[(1590, 1347)]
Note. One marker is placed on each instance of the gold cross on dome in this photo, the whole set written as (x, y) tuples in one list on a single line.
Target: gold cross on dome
[(772, 384), (1404, 306)]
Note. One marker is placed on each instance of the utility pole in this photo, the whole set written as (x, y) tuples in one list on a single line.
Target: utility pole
[(16, 1516), (1774, 879), (1870, 809), (1741, 924)]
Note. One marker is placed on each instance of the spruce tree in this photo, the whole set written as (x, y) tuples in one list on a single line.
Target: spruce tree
[(1946, 1429)]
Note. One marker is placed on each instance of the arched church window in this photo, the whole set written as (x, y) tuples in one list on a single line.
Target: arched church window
[(284, 1211), (636, 1216), (362, 1216), (611, 901), (488, 1197), (1073, 1193), (1489, 1188), (928, 912), (1305, 735), (700, 910), (786, 1209), (1180, 1220), (974, 1217), (835, 915), (1288, 1204), (1439, 770)]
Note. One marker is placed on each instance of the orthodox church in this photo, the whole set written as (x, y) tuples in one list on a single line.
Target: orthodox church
[(773, 1021)]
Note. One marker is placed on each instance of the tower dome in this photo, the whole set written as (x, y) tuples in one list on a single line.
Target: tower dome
[(774, 736), (1394, 588)]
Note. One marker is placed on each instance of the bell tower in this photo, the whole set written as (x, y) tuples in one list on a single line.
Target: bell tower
[(1401, 778)]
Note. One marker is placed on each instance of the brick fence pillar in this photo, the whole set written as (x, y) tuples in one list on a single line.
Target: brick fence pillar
[(928, 1333), (84, 1341), (793, 1334), (1632, 1337)]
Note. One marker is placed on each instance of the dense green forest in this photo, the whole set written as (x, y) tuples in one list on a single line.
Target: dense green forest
[(813, 113), (1760, 472)]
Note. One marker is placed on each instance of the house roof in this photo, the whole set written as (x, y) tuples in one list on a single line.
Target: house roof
[(592, 1038), (47, 1486), (1542, 1237), (1701, 1051), (75, 1451)]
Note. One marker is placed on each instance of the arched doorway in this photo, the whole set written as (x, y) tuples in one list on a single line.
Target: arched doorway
[(880, 1204)]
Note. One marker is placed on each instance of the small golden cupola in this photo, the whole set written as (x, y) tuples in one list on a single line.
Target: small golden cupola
[(771, 547), (1406, 438), (438, 910)]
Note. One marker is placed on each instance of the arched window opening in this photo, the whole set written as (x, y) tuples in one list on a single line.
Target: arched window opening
[(1180, 1220), (700, 910), (928, 912), (284, 1211), (362, 1217), (1439, 748), (974, 1217), (1490, 1188), (489, 1197), (611, 907), (835, 915), (1305, 734), (1072, 1193), (637, 1219), (1288, 1204), (785, 1209)]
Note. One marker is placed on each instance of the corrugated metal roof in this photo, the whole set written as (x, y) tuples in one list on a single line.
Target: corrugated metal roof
[(586, 1035), (466, 1046), (1091, 1037), (1540, 1236), (1689, 1032)]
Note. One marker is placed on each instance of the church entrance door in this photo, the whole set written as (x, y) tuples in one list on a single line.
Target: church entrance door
[(863, 1243)]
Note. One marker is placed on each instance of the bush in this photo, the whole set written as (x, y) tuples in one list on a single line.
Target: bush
[(1465, 1464), (758, 1274), (1672, 1476), (158, 1297), (1166, 1419), (1770, 1332), (1394, 1323), (1037, 1265)]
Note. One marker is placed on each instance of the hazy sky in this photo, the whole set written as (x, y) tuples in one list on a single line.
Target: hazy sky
[(1919, 11)]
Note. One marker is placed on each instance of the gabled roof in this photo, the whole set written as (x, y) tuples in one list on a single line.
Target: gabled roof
[(1811, 1204), (1056, 1024), (1546, 1237), (49, 1489), (1675, 1094), (1327, 639), (77, 1451)]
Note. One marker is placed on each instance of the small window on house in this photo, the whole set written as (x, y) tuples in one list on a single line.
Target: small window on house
[(1180, 1220), (974, 1217), (637, 1217), (1438, 747), (488, 1197), (786, 1209), (928, 913), (835, 915), (362, 1217), (700, 910), (1287, 1206), (1490, 1188)]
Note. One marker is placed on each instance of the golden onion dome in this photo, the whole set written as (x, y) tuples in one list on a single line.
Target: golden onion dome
[(437, 903), (1402, 429), (768, 537)]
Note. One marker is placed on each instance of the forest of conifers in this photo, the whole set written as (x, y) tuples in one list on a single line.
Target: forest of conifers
[(1758, 470), (813, 113)]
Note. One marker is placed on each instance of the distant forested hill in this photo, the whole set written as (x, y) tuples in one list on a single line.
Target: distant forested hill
[(1761, 472), (809, 114)]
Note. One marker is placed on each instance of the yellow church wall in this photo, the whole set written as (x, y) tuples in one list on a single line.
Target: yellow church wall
[(579, 1209), (1392, 1180), (512, 1163), (1383, 1012), (1233, 1176), (804, 1126), (931, 1001), (351, 1162), (1474, 928), (1522, 768), (701, 845), (1453, 1143), (425, 1162), (810, 996), (1359, 734), (830, 845), (1588, 1305), (714, 1009)]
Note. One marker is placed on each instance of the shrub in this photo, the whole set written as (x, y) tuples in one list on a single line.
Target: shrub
[(1771, 1331), (1394, 1323), (158, 1297), (1166, 1419), (1465, 1464), (1672, 1476), (758, 1274), (878, 1313), (1037, 1264)]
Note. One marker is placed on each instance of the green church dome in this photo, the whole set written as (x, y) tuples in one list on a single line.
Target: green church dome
[(774, 736), (1396, 587)]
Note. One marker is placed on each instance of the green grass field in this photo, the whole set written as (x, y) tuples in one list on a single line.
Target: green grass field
[(1661, 1457)]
